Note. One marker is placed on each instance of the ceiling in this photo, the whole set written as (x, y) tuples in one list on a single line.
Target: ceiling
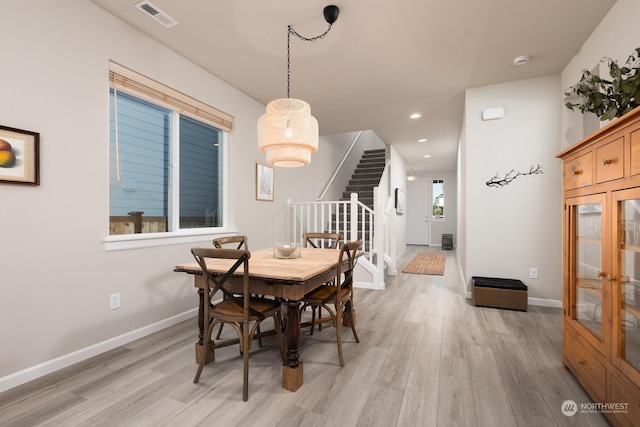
[(381, 61)]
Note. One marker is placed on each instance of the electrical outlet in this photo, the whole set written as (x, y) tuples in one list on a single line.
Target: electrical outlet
[(114, 301), (533, 273)]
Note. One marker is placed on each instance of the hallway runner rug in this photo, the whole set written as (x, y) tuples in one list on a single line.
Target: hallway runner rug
[(427, 263)]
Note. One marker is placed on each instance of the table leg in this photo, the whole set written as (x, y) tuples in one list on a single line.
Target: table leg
[(292, 369), (199, 348)]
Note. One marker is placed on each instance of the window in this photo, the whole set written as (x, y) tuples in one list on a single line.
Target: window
[(165, 158), (437, 190)]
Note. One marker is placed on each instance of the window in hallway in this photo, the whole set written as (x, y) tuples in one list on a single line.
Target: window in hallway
[(438, 198)]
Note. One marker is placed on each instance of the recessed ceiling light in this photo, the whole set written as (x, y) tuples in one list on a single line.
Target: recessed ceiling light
[(521, 60), (422, 140), (426, 156), (415, 116)]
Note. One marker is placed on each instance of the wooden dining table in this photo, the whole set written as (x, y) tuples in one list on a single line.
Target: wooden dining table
[(289, 279)]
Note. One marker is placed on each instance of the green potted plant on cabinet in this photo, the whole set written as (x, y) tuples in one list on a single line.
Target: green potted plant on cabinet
[(611, 98)]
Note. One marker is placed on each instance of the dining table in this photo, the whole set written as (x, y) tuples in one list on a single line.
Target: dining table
[(289, 279)]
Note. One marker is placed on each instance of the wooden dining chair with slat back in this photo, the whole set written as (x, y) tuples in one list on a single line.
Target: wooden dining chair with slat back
[(324, 241), (240, 310), (339, 294)]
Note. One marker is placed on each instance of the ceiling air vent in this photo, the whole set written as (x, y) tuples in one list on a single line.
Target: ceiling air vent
[(156, 13)]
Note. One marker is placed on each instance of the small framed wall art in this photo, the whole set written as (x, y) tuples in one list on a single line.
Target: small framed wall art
[(19, 156), (264, 182)]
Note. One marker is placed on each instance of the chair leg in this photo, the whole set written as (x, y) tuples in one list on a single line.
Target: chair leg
[(313, 319), (219, 331), (259, 339), (200, 366), (245, 358), (205, 347), (319, 317), (355, 334), (349, 309), (338, 325)]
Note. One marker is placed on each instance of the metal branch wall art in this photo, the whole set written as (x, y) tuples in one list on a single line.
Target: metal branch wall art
[(496, 181)]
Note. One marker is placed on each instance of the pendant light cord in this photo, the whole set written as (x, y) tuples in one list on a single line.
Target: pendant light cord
[(291, 31)]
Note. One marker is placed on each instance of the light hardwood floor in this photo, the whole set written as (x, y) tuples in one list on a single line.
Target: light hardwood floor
[(426, 357)]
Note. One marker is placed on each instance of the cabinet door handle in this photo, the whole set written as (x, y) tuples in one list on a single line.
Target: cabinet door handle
[(581, 361), (601, 274), (611, 278), (576, 172), (606, 162)]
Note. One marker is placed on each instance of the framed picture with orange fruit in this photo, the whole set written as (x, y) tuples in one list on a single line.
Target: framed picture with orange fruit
[(19, 156)]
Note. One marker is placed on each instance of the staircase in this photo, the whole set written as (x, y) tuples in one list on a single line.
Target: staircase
[(366, 176), (363, 212)]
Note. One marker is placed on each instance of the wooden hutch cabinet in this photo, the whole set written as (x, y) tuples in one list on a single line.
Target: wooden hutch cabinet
[(601, 266)]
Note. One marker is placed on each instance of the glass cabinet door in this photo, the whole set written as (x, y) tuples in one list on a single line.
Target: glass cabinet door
[(588, 273), (627, 304)]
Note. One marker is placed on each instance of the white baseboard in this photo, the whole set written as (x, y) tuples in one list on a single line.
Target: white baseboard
[(545, 302), (368, 285), (540, 302), (37, 371)]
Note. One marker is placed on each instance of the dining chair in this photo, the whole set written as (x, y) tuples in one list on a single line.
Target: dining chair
[(226, 242), (325, 241), (242, 311), (339, 294)]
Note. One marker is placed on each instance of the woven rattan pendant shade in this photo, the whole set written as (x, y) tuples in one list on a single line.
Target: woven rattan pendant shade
[(288, 133)]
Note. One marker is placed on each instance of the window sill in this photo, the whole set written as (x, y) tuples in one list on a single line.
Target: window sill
[(149, 240)]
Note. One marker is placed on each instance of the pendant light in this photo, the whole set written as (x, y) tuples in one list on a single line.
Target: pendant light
[(287, 132), (411, 176)]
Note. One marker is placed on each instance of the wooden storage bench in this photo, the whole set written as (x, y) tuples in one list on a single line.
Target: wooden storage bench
[(499, 293)]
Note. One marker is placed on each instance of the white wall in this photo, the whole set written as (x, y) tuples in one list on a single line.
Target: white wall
[(513, 228), (617, 36), (461, 201), (55, 275), (397, 179)]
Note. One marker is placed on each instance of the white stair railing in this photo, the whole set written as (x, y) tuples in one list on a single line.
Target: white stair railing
[(354, 221), (351, 218)]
